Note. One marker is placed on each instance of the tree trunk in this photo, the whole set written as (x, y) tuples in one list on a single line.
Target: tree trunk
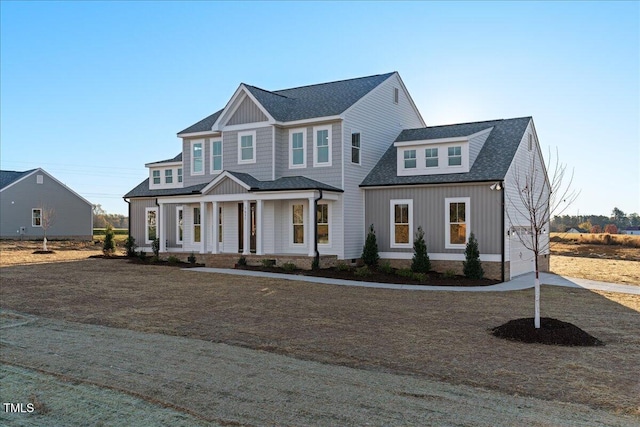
[(536, 319)]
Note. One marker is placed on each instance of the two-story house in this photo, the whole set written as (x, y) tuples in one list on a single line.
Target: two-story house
[(300, 174)]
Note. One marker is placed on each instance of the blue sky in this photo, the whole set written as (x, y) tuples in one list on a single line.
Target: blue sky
[(91, 91)]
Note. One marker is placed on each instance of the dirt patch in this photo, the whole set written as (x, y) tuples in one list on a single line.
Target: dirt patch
[(437, 335), (551, 332), (30, 252)]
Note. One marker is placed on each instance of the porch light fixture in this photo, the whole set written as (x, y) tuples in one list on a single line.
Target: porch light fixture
[(496, 186)]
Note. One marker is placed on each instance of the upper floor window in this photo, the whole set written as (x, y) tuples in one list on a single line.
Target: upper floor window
[(322, 146), (197, 158), (409, 159), (156, 177), (216, 156), (168, 176), (401, 223), (431, 157), (455, 155), (457, 228), (36, 217), (247, 147), (297, 148), (179, 174), (355, 148)]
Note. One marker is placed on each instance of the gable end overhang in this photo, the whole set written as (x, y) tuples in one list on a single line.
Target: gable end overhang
[(232, 106), (40, 170)]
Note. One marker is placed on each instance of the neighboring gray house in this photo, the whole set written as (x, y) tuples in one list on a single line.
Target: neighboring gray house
[(287, 174), (33, 199)]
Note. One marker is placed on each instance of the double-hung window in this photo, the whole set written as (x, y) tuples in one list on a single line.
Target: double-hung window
[(151, 229), (36, 217), (197, 158), (216, 156), (355, 148), (220, 222), (322, 146), (156, 177), (409, 159), (196, 225), (431, 157), (168, 176), (297, 148), (179, 174), (297, 221), (247, 147), (401, 223), (455, 156), (457, 222), (179, 224), (322, 223)]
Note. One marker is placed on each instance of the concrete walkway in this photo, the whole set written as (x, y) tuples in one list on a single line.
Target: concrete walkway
[(524, 281)]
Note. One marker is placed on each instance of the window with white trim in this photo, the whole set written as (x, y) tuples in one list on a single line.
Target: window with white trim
[(179, 224), (297, 222), (431, 157), (216, 156), (322, 146), (297, 148), (39, 179), (168, 176), (220, 224), (179, 174), (197, 227), (355, 148), (457, 216), (409, 159), (197, 158), (401, 223), (151, 222), (322, 223), (36, 217), (530, 146), (247, 147), (396, 95), (455, 155), (156, 177)]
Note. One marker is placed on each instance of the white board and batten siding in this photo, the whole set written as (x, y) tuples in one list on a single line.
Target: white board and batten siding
[(379, 120)]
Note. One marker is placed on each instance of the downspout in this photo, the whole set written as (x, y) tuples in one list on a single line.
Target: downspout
[(502, 238), (316, 260)]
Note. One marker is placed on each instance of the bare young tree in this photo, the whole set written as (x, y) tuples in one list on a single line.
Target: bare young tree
[(47, 219), (540, 196)]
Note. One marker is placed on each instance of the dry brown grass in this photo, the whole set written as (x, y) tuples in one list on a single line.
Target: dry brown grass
[(21, 252), (627, 240), (605, 270), (439, 335)]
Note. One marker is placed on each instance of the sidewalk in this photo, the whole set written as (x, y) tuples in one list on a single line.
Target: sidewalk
[(524, 281)]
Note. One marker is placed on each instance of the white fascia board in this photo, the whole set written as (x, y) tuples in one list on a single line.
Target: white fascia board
[(234, 104), (258, 195), (222, 176), (315, 120), (162, 164), (200, 134)]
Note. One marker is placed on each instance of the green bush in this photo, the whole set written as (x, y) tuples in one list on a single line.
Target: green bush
[(472, 267), (143, 256), (386, 267), (267, 263), (342, 266), (420, 277), (173, 259), (404, 272), (420, 262), (109, 245), (130, 246), (370, 250), (155, 247), (288, 266), (363, 271), (242, 261), (449, 274), (191, 258)]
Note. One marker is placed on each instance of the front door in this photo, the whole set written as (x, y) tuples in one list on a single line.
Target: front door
[(252, 231)]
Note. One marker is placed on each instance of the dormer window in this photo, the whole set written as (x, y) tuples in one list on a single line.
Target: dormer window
[(179, 174), (455, 155), (168, 176), (156, 177), (410, 159), (431, 157)]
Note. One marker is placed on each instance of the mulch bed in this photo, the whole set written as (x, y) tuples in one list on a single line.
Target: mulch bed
[(430, 279), (41, 252), (551, 331)]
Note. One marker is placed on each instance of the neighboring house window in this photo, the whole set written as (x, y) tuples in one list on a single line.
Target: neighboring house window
[(220, 224), (455, 156), (457, 222), (196, 225), (298, 224), (297, 148), (431, 157), (156, 177), (247, 147), (216, 156), (355, 148), (179, 224), (322, 146), (168, 176), (409, 159), (401, 223), (151, 229), (36, 217), (197, 159), (323, 223), (396, 95), (179, 174)]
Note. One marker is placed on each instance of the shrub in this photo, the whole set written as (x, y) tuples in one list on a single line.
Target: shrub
[(109, 245), (242, 261), (420, 262), (404, 272), (315, 264), (363, 271), (449, 274), (130, 246), (192, 258), (173, 259), (143, 256), (386, 267), (420, 277), (370, 250), (155, 247), (342, 266), (267, 263), (288, 266), (472, 267)]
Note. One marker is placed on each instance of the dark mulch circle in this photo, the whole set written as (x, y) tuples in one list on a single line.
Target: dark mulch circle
[(551, 331), (41, 252)]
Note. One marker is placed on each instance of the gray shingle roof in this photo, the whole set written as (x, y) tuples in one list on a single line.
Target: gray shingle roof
[(177, 158), (300, 183), (8, 177), (306, 102), (492, 162)]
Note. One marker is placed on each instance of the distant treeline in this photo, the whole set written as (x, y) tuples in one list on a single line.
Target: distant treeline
[(101, 218), (596, 223)]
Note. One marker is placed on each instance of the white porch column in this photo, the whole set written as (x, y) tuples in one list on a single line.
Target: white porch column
[(214, 226), (161, 227), (310, 229), (203, 227), (246, 232), (259, 229)]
